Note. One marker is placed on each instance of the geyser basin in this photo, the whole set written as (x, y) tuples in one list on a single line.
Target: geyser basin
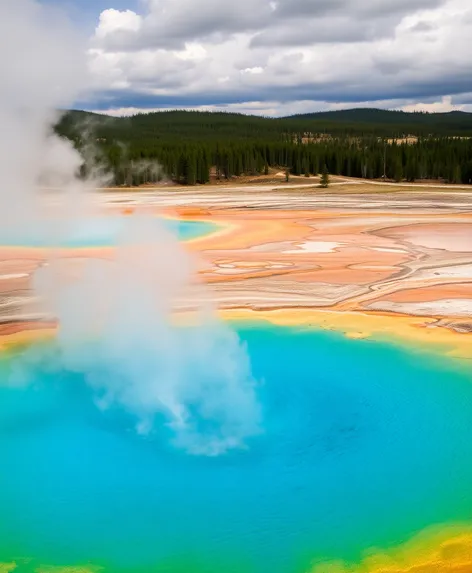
[(364, 445), (97, 231)]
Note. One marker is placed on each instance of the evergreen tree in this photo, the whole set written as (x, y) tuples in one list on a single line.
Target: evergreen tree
[(324, 180)]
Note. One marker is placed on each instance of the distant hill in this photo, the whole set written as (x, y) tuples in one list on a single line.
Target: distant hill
[(452, 123), (373, 115), (196, 124)]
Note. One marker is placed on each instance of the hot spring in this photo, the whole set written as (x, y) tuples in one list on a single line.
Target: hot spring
[(97, 231), (133, 444), (362, 445)]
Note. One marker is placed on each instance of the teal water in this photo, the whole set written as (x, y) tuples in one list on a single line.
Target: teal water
[(94, 232), (364, 445)]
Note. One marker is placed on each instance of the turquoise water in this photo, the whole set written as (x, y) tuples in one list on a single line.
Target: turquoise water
[(95, 232), (364, 445)]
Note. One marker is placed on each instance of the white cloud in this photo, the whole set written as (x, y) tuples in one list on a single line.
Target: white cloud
[(442, 106), (196, 52), (255, 70), (192, 51), (114, 21)]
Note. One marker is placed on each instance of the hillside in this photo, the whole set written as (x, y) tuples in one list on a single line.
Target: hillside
[(202, 125), (393, 122), (189, 146)]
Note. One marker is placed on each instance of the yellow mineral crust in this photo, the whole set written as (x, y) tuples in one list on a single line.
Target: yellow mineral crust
[(445, 550)]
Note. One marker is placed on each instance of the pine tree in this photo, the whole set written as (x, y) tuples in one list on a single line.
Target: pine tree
[(324, 180)]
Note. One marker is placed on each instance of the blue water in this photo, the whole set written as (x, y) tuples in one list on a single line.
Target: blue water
[(364, 445), (95, 232)]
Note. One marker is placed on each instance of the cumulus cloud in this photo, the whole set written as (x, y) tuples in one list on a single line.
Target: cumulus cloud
[(115, 22), (442, 106), (170, 23), (211, 52)]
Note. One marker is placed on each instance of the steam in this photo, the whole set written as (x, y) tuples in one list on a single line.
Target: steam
[(42, 69), (116, 315)]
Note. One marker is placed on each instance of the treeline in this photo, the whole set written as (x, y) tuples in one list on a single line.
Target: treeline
[(441, 159), (189, 147)]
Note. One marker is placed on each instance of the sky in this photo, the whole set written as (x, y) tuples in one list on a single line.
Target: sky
[(276, 57)]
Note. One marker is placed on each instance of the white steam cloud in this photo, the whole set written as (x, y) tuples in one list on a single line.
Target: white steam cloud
[(42, 69), (116, 316)]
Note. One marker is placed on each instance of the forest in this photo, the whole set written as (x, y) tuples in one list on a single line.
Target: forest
[(189, 146)]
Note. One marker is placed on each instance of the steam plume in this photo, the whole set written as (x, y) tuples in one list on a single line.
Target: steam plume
[(115, 316)]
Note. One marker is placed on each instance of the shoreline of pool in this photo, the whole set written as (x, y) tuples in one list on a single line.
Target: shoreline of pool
[(446, 547), (378, 327), (381, 327)]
